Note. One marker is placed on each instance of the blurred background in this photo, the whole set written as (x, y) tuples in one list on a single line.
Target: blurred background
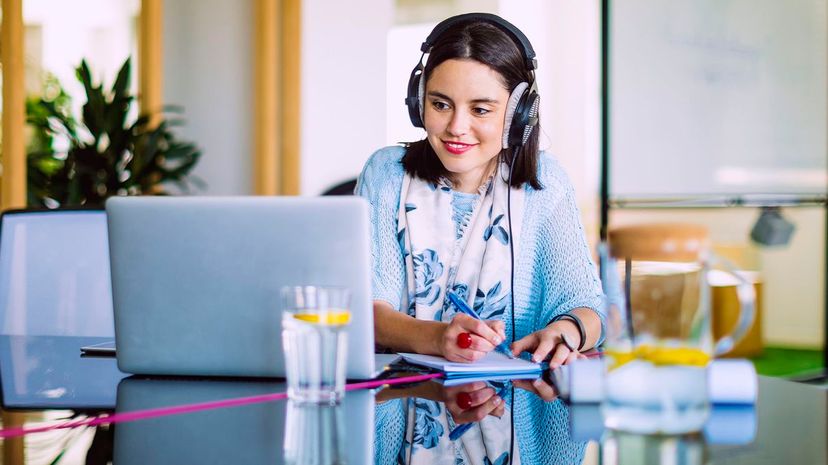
[(715, 112)]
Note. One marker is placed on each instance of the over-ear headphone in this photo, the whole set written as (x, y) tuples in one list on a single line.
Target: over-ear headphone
[(522, 106)]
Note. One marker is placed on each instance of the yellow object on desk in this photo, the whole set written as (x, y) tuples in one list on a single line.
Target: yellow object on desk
[(332, 317), (660, 355)]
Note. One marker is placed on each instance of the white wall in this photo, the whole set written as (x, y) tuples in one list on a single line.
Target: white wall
[(207, 60), (403, 52), (343, 88), (58, 35), (208, 70), (566, 39)]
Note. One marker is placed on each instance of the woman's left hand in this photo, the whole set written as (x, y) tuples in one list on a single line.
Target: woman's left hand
[(549, 341)]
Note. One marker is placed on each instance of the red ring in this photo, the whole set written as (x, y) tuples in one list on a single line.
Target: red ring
[(464, 400), (464, 340)]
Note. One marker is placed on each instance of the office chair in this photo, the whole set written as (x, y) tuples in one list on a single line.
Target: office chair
[(54, 273), (344, 188)]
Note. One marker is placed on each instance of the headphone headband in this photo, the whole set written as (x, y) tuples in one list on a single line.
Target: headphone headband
[(521, 115), (517, 36)]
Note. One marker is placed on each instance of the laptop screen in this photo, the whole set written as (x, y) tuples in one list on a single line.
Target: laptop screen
[(54, 274)]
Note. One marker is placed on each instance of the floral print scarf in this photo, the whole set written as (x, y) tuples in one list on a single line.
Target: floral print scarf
[(475, 264)]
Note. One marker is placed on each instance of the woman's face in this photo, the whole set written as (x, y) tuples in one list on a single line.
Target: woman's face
[(465, 105)]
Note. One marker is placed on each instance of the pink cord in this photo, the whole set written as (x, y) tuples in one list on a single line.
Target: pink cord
[(124, 417)]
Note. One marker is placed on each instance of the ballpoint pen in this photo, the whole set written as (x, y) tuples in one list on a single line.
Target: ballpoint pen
[(461, 305), (461, 429)]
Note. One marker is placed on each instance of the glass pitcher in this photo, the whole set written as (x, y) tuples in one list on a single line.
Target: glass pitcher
[(659, 337)]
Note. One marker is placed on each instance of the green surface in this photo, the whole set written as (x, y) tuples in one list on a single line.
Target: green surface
[(779, 361)]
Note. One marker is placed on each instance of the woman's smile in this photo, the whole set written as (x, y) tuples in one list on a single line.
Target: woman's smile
[(457, 148)]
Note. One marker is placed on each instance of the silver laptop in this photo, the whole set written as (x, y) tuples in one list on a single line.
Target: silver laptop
[(196, 280)]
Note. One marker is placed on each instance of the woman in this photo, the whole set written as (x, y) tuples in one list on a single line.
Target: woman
[(453, 212)]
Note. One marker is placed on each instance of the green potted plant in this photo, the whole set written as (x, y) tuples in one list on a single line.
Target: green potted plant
[(106, 154)]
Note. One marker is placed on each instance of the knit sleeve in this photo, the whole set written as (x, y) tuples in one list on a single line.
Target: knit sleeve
[(380, 183), (569, 275)]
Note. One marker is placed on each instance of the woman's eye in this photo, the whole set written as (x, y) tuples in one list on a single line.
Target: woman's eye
[(438, 105), (480, 111)]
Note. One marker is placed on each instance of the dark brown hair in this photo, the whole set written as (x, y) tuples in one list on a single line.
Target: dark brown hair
[(489, 45)]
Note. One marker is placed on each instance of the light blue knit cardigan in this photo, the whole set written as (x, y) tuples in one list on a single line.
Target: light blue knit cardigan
[(553, 274)]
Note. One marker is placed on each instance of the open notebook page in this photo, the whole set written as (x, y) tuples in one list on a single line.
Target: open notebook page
[(493, 363)]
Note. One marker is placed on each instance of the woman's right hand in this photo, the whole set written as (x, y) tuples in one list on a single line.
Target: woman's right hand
[(485, 336)]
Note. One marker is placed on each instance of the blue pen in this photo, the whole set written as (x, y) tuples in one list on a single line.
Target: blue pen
[(460, 430), (461, 305)]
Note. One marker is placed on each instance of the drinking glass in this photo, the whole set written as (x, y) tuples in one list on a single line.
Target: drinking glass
[(314, 323)]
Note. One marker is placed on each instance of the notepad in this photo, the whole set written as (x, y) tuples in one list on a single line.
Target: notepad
[(458, 380), (494, 364)]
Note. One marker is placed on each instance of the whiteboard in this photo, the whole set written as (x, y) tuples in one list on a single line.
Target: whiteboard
[(712, 97)]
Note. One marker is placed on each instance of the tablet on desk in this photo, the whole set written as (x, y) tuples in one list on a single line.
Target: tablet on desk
[(104, 349)]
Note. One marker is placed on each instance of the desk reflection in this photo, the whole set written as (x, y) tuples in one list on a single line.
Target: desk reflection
[(47, 372), (315, 434), (413, 425), (267, 432)]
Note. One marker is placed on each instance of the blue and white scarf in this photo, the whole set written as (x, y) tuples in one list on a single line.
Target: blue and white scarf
[(474, 264)]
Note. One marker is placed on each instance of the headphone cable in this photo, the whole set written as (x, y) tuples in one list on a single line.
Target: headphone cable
[(512, 292)]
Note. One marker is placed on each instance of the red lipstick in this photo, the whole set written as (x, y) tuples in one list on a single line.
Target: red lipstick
[(456, 148)]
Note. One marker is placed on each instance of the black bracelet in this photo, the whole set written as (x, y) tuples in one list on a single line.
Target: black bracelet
[(577, 321)]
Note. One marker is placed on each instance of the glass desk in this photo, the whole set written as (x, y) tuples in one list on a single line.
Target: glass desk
[(47, 372), (788, 425)]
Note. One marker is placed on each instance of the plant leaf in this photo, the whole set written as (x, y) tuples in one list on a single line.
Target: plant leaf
[(122, 156)]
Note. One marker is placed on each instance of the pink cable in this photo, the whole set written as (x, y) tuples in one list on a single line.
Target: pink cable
[(108, 419)]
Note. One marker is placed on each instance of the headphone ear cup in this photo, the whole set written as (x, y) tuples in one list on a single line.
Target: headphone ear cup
[(511, 109), (531, 119), (524, 119), (421, 99), (414, 98)]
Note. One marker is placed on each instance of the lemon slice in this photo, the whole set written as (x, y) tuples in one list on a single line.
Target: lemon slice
[(618, 358), (686, 356), (333, 317)]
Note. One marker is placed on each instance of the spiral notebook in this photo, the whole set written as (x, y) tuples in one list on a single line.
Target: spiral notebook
[(494, 364)]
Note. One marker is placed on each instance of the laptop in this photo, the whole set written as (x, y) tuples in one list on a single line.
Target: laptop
[(54, 273), (196, 281)]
